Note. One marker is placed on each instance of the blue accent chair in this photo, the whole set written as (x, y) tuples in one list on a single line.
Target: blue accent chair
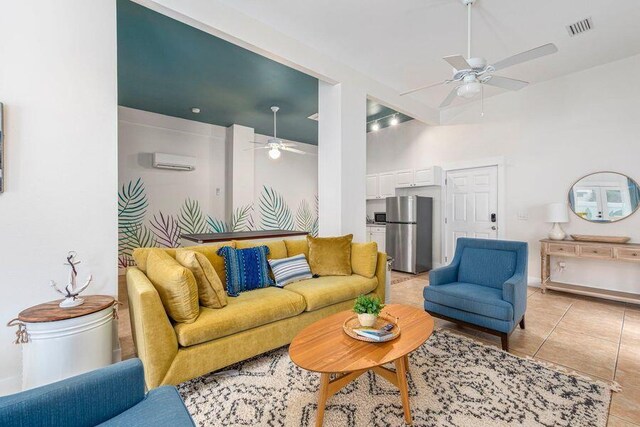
[(110, 396), (484, 287)]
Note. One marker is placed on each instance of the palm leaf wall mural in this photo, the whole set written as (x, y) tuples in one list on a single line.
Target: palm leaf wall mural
[(166, 229), (132, 208), (242, 218), (315, 227), (274, 212), (304, 218), (191, 219), (216, 225)]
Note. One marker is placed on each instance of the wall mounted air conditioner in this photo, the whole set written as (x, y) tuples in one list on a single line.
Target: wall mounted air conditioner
[(173, 162)]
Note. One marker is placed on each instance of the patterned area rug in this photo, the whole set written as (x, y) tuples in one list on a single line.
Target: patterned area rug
[(453, 381)]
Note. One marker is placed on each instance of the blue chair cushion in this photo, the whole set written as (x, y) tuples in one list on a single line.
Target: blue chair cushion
[(483, 300), (162, 407), (488, 267)]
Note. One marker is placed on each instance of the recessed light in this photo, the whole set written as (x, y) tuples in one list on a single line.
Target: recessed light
[(375, 126), (195, 110)]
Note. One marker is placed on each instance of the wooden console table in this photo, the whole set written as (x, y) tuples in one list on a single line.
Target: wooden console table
[(587, 250)]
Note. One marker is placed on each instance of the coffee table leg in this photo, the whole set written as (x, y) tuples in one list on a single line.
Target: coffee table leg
[(401, 371), (322, 399)]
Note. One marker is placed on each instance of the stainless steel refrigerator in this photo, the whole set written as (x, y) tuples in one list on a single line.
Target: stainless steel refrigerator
[(409, 233)]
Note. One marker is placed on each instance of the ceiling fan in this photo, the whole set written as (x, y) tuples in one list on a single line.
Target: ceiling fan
[(473, 72), (274, 145)]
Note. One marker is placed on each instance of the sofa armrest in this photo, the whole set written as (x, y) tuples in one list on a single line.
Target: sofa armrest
[(381, 275), (84, 400), (153, 334), (514, 291), (443, 275)]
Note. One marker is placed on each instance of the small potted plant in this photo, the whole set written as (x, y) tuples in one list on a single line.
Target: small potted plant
[(367, 308)]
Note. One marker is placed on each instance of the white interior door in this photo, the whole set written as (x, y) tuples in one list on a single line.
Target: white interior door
[(471, 206)]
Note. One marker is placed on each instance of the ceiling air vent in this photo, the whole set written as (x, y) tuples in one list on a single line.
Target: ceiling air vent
[(580, 27)]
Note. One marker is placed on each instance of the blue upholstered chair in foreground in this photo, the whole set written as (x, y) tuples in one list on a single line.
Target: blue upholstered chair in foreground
[(111, 396), (484, 287)]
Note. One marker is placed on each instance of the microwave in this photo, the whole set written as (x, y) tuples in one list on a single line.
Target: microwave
[(380, 217)]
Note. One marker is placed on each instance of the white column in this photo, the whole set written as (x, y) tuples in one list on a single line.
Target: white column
[(342, 160), (240, 168)]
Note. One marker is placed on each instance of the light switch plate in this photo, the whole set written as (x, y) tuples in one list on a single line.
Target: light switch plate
[(523, 216)]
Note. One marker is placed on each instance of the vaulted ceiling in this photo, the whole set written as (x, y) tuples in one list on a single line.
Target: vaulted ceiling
[(401, 43)]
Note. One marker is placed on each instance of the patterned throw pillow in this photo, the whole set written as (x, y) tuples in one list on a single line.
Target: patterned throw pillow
[(289, 270), (246, 269)]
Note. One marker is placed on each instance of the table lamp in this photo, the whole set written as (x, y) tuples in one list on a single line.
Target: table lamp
[(557, 213)]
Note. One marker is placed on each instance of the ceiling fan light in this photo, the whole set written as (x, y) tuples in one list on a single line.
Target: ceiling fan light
[(274, 154), (394, 121), (469, 90), (375, 127)]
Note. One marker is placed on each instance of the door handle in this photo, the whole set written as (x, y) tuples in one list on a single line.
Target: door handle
[(493, 227), (493, 218)]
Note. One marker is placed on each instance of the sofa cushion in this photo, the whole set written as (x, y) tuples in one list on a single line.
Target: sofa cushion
[(364, 258), (277, 248), (488, 267), (297, 247), (330, 256), (175, 284), (246, 311), (289, 270), (161, 407), (327, 290), (210, 288), (247, 269), (140, 256), (472, 298)]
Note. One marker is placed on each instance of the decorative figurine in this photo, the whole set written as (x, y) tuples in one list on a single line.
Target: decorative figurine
[(71, 292)]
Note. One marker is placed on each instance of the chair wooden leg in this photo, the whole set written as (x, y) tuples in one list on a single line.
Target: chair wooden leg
[(522, 323), (505, 341)]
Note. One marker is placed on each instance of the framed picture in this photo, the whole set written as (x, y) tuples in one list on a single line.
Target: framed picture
[(1, 148)]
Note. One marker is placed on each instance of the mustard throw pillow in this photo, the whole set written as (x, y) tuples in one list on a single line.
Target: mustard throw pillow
[(364, 258), (176, 286), (210, 289), (330, 256), (297, 247)]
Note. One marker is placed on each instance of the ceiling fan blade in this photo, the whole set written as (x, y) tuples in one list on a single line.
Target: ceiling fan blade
[(256, 148), (458, 62), (546, 49), (256, 142), (288, 144), (423, 87), (449, 99), (506, 83), (293, 150)]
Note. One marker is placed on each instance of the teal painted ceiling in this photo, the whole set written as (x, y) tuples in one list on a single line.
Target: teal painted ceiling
[(381, 114), (167, 67)]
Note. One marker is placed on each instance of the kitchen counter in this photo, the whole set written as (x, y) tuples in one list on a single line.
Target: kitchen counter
[(241, 235), (376, 224)]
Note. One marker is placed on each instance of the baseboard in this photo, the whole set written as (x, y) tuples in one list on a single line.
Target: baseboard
[(534, 282), (10, 385)]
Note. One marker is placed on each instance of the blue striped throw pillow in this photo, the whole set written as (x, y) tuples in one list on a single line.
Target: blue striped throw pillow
[(246, 269), (289, 270)]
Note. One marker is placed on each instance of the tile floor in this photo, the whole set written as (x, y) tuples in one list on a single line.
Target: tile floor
[(596, 338)]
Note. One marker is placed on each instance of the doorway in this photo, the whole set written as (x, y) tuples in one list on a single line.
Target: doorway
[(471, 206)]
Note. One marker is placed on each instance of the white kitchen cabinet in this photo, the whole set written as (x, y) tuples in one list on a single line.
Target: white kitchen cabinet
[(377, 234), (387, 184), (404, 178), (373, 187)]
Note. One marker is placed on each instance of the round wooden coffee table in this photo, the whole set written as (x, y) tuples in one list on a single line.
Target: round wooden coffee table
[(324, 347)]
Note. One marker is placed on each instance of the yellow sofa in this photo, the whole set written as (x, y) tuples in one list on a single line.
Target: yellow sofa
[(250, 324)]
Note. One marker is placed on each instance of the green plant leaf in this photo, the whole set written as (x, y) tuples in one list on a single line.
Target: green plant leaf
[(366, 304), (132, 208), (275, 214), (190, 219), (242, 218)]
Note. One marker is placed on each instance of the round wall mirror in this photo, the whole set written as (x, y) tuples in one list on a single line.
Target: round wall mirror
[(604, 197)]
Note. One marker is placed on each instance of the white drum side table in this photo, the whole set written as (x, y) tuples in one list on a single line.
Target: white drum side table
[(60, 343)]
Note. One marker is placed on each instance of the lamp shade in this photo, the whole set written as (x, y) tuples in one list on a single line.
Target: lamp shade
[(557, 212)]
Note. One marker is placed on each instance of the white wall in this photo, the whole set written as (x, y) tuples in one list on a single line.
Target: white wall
[(58, 84), (550, 134)]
